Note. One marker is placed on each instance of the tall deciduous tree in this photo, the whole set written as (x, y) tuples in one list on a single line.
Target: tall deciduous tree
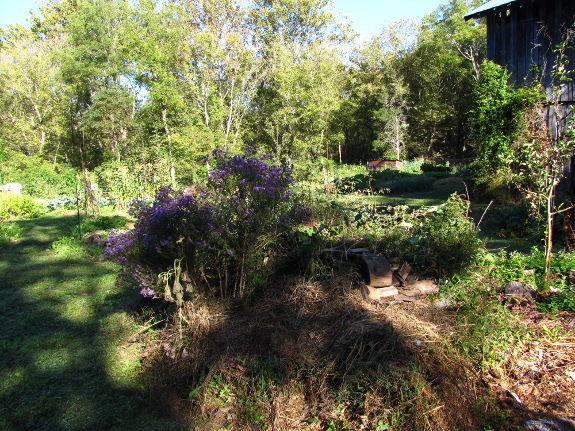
[(30, 92), (376, 105), (294, 108), (440, 76)]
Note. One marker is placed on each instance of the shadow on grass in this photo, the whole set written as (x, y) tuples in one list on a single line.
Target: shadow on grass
[(62, 323)]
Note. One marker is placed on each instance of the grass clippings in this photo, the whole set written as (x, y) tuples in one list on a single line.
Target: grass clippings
[(313, 355)]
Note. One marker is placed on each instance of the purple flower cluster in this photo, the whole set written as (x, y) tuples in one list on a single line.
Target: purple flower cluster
[(245, 198), (250, 187), (173, 227)]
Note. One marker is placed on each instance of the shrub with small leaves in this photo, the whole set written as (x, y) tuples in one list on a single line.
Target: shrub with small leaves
[(9, 231)]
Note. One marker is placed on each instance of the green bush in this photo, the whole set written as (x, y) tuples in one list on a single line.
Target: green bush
[(510, 221), (438, 175), (9, 231), (446, 242), (437, 241), (384, 181), (12, 206), (430, 167), (356, 183), (412, 166), (39, 178)]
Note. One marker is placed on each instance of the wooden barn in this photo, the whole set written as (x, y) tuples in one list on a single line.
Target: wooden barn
[(522, 36)]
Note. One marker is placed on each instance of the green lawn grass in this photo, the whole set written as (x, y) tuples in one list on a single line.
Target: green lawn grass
[(437, 196), (65, 361)]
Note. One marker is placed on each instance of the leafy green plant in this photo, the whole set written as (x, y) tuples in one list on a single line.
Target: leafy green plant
[(513, 221), (541, 157), (39, 178), (122, 183), (498, 119), (446, 241), (561, 301), (9, 231), (12, 206), (63, 202), (430, 167)]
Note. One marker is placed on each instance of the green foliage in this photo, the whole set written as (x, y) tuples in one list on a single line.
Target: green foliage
[(430, 167), (105, 82), (12, 206), (122, 182), (561, 301), (440, 71), (412, 166), (489, 330), (437, 241), (447, 242), (64, 202), (38, 177), (498, 121), (388, 181), (9, 231), (438, 175), (530, 267), (512, 221)]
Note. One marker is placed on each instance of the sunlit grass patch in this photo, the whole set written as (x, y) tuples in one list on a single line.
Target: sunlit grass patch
[(61, 325)]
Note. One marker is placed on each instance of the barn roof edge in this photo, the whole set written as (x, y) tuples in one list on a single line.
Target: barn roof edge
[(490, 5)]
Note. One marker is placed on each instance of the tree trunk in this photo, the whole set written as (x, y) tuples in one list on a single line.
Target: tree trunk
[(90, 204), (170, 152), (205, 107), (549, 237), (230, 115), (397, 138)]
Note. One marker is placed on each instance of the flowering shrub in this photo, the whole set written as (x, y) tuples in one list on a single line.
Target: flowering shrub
[(216, 240)]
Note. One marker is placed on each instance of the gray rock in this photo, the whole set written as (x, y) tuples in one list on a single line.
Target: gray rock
[(560, 424), (520, 292), (442, 303)]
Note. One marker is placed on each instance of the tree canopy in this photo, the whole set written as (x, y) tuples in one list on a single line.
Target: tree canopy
[(151, 83)]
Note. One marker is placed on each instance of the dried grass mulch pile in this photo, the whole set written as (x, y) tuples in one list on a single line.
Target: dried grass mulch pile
[(537, 380), (313, 355)]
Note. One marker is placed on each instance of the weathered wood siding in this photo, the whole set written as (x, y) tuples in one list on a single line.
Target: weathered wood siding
[(522, 36)]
